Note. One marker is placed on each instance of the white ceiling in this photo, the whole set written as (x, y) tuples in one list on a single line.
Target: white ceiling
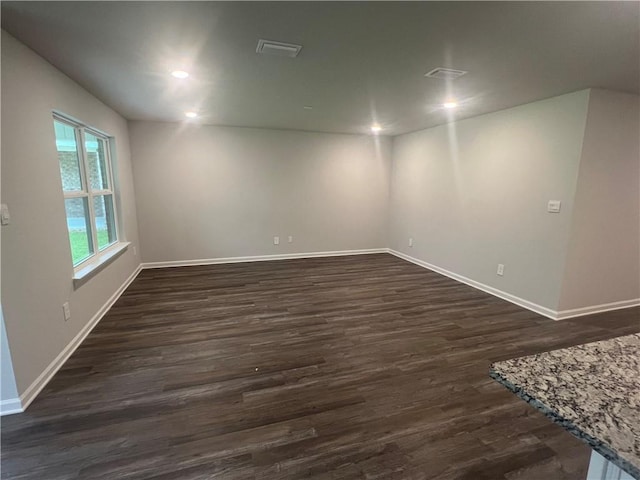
[(361, 61)]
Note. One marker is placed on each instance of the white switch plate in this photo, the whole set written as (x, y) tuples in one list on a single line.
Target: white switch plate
[(500, 269), (290, 239), (135, 251), (66, 310), (5, 218), (553, 206), (276, 240), (411, 242)]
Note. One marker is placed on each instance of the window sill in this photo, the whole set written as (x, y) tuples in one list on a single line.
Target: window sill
[(83, 274)]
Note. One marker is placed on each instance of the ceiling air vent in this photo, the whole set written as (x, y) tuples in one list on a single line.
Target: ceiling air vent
[(445, 73), (280, 49)]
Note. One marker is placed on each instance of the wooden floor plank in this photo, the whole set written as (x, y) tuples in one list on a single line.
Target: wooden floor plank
[(361, 367)]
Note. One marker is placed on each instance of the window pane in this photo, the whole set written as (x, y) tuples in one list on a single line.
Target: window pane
[(105, 220), (68, 157), (79, 230), (96, 161)]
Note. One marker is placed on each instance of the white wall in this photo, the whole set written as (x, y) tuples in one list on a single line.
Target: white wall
[(36, 258), (471, 194), (210, 192), (474, 193), (603, 260)]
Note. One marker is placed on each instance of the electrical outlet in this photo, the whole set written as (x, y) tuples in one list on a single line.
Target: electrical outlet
[(5, 218), (290, 239), (500, 269), (553, 206), (411, 242), (276, 240), (66, 310)]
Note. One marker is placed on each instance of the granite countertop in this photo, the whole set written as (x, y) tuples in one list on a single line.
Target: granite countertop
[(592, 390)]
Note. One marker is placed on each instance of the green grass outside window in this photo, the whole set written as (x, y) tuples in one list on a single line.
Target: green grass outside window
[(79, 244)]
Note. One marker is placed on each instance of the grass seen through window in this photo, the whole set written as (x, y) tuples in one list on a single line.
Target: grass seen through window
[(80, 246)]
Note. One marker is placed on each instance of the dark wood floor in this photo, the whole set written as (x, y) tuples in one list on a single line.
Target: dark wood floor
[(362, 367)]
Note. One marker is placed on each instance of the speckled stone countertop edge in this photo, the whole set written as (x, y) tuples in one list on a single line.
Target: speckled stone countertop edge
[(554, 416)]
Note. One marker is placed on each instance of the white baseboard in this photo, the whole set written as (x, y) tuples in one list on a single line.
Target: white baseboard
[(534, 307), (605, 307), (17, 405), (10, 406), (39, 383), (261, 258), (547, 312)]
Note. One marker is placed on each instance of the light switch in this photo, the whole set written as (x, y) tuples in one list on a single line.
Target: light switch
[(5, 218), (553, 206)]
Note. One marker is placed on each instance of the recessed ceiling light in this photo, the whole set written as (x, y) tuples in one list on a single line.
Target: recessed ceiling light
[(179, 74), (190, 114), (450, 104), (375, 128)]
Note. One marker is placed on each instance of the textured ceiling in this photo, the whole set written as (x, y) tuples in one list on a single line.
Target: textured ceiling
[(361, 62)]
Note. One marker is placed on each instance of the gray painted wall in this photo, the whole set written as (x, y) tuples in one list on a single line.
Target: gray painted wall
[(603, 259), (36, 258), (470, 194), (210, 192), (474, 194)]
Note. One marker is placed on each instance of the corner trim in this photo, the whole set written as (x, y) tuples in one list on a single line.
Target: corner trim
[(39, 383), (10, 406), (261, 258), (521, 302), (604, 307)]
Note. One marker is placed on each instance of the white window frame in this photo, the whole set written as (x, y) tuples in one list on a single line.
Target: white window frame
[(98, 256)]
